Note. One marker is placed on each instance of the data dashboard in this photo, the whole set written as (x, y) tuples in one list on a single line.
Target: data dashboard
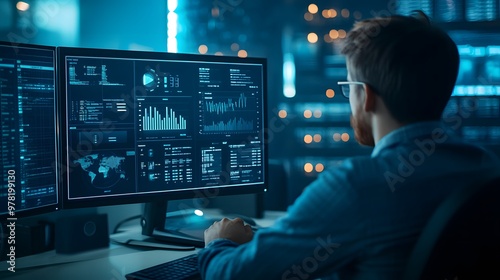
[(143, 126)]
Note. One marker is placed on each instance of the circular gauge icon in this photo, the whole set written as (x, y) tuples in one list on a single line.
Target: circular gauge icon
[(150, 80)]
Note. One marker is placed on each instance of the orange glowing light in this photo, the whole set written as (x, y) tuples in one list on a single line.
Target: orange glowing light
[(312, 37), (313, 8), (342, 33), (308, 167), (242, 53), (308, 139), (334, 34), (330, 93), (203, 49), (319, 167), (317, 138), (345, 137)]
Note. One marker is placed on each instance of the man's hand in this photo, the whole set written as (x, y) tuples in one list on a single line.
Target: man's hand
[(234, 230)]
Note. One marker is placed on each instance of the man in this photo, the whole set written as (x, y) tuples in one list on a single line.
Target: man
[(361, 220)]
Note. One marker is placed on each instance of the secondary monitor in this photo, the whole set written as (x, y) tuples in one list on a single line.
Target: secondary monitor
[(146, 126), (29, 136), (479, 73)]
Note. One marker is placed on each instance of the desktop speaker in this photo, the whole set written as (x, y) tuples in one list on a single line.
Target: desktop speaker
[(81, 233), (30, 238)]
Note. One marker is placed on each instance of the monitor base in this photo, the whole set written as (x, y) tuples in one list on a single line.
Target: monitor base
[(185, 228), (177, 238)]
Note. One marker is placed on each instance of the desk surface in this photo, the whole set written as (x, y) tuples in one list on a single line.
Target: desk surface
[(111, 263)]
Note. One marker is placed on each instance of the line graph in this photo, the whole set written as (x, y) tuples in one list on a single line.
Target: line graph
[(220, 108), (223, 112)]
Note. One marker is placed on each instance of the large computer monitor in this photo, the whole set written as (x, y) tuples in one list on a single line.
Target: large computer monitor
[(474, 109), (152, 126), (29, 132), (479, 73)]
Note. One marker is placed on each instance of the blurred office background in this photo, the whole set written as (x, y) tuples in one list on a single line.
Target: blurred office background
[(309, 128)]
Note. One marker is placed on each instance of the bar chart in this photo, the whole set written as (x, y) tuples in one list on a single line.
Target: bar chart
[(166, 119), (234, 124)]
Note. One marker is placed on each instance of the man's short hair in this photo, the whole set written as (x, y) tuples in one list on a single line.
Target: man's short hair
[(411, 64)]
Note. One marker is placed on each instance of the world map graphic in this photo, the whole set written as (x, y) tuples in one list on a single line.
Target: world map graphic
[(104, 170)]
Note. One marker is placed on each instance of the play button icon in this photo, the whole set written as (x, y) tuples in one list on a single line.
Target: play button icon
[(149, 80)]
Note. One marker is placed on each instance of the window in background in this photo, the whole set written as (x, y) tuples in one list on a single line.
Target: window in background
[(45, 22)]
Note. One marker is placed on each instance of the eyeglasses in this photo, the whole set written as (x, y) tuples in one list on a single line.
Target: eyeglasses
[(345, 87)]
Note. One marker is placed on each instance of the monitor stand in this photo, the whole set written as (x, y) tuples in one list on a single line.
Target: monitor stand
[(179, 230)]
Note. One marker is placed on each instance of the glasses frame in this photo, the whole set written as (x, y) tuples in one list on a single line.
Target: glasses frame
[(344, 86)]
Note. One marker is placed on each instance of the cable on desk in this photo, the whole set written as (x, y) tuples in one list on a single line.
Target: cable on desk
[(115, 230)]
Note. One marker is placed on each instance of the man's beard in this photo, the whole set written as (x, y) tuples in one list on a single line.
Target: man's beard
[(363, 132)]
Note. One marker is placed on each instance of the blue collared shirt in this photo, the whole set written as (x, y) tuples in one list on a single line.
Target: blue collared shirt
[(361, 219)]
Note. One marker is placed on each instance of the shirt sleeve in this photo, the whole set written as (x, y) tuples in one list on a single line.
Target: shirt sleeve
[(314, 235)]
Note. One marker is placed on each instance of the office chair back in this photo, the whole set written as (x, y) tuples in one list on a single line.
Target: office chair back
[(276, 197), (462, 238)]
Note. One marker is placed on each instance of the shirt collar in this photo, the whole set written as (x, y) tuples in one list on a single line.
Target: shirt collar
[(406, 133)]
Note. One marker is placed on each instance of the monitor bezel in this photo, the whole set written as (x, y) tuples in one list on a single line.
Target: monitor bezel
[(58, 205), (199, 193)]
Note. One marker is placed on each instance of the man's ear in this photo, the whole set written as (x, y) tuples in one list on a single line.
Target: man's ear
[(370, 103)]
